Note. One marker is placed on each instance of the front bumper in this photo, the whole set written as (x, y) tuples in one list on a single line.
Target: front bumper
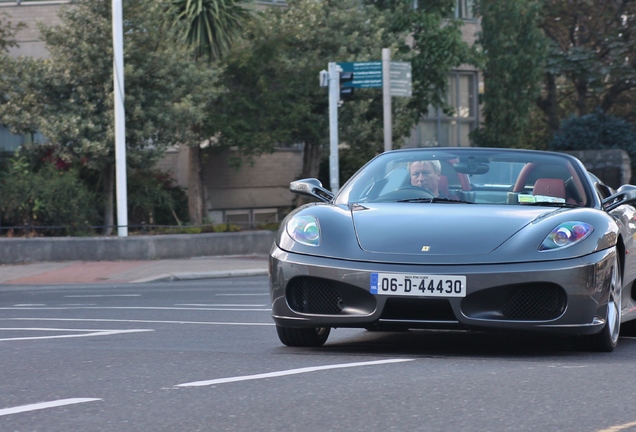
[(565, 296)]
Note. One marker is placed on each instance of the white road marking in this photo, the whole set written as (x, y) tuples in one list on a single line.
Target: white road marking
[(103, 295), (28, 304), (139, 321), (619, 427), (79, 304), (238, 295), (221, 305), (93, 332), (289, 372), (139, 308), (44, 405)]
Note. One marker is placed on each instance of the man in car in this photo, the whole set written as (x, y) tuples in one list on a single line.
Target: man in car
[(426, 174)]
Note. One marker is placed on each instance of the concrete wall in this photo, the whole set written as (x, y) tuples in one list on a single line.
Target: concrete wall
[(20, 250), (30, 13), (613, 166)]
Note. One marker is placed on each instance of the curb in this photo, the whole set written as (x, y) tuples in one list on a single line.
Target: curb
[(206, 275)]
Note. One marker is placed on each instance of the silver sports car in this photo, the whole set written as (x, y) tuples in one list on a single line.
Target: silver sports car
[(458, 238)]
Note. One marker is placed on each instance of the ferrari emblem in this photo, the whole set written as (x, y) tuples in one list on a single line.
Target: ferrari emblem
[(425, 248)]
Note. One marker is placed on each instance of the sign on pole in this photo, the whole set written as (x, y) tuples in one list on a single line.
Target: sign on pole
[(401, 79), (365, 74), (343, 77)]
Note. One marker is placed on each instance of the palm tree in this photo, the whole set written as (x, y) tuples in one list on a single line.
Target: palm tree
[(210, 28), (212, 25)]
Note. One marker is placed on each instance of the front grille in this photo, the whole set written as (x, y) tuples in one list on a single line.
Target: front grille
[(413, 309), (542, 302), (314, 296)]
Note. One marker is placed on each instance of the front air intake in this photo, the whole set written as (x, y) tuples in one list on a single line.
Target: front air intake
[(313, 296)]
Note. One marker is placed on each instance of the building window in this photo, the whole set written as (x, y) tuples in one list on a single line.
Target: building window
[(464, 9), (440, 130), (10, 142), (246, 218)]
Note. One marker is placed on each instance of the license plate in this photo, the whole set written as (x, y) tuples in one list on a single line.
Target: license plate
[(418, 285)]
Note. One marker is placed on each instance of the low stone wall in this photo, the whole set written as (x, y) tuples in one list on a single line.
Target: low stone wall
[(612, 166), (21, 250)]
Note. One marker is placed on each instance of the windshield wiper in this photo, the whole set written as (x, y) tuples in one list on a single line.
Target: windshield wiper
[(435, 200)]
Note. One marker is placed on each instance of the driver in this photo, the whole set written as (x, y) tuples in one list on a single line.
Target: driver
[(426, 174)]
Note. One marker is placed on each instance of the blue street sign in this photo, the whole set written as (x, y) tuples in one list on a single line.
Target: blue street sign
[(365, 74)]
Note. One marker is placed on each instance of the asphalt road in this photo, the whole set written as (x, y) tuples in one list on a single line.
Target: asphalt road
[(204, 356)]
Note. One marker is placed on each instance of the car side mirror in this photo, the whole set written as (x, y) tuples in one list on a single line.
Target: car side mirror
[(625, 194), (311, 187)]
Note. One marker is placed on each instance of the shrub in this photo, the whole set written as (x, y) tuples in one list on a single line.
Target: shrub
[(47, 197), (594, 132), (154, 199)]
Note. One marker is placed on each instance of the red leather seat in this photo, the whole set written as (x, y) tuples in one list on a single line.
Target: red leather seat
[(549, 187)]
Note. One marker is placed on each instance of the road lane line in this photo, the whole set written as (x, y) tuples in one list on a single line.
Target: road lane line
[(139, 321), (102, 295), (93, 333), (618, 427), (220, 305), (137, 308), (289, 372), (44, 405)]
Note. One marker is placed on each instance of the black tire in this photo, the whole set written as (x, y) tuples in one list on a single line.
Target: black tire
[(607, 339), (303, 337)]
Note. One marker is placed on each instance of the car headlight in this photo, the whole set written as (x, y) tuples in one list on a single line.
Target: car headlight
[(304, 230), (565, 235)]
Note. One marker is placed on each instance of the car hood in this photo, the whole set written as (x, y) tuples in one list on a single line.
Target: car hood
[(439, 228)]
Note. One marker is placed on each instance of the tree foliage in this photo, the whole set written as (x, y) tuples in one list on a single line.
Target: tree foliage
[(515, 49), (272, 95), (69, 96), (434, 47), (211, 26), (596, 131), (8, 32), (45, 196), (592, 59)]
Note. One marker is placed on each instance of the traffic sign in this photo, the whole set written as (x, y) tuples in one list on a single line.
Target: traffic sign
[(401, 79), (365, 74)]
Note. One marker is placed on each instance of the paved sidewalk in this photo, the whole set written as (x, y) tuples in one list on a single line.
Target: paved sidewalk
[(77, 272)]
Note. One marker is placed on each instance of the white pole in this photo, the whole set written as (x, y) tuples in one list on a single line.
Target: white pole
[(334, 98), (386, 98), (120, 120)]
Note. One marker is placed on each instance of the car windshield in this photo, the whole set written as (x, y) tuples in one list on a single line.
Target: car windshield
[(469, 175)]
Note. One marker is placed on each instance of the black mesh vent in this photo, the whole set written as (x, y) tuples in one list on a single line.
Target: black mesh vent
[(539, 302), (418, 310), (314, 296)]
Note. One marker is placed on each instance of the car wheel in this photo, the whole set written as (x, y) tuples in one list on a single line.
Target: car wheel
[(303, 337), (606, 339)]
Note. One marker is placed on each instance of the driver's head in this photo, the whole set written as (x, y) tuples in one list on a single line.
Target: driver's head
[(425, 174)]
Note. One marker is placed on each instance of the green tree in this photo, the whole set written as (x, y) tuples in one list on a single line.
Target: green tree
[(208, 27), (434, 46), (45, 196), (515, 51), (273, 97), (69, 97), (595, 131), (592, 58), (8, 32)]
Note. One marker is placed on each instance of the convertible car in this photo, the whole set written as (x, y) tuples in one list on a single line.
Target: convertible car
[(458, 238)]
